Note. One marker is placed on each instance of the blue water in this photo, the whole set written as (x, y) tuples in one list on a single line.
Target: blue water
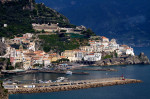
[(129, 91)]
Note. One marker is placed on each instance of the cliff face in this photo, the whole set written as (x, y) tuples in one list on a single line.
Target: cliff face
[(128, 60)]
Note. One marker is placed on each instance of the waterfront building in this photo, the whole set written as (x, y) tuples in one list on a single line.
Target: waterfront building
[(70, 54), (125, 49), (54, 57), (27, 63)]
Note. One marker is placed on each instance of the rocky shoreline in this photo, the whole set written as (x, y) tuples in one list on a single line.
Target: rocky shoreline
[(124, 60)]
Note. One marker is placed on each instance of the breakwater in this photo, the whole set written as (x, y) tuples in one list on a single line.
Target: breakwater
[(72, 85), (88, 69)]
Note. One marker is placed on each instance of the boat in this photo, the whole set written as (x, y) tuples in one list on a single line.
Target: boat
[(69, 72), (61, 79), (49, 81)]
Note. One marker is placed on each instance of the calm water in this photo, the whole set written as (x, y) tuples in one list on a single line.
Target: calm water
[(129, 91)]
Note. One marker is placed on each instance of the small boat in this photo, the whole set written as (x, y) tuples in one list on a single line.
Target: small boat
[(40, 81), (49, 81), (61, 79), (69, 72)]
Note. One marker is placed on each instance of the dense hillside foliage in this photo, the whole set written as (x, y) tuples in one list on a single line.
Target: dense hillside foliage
[(15, 17), (61, 42), (126, 20), (20, 15)]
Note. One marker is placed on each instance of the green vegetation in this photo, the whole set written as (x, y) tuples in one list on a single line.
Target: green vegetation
[(43, 31), (15, 17), (19, 65), (10, 68), (20, 15), (88, 33), (42, 14), (61, 42), (5, 62), (38, 65), (63, 60), (107, 56), (116, 55)]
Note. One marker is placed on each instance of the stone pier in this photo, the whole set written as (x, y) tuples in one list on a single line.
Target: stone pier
[(73, 85)]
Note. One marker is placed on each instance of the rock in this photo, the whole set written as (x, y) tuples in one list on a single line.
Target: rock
[(126, 60)]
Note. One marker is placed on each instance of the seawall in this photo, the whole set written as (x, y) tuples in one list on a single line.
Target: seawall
[(77, 85)]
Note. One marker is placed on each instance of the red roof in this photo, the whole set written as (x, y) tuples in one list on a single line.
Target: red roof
[(103, 37)]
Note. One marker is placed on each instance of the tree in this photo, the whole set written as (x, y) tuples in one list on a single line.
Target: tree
[(19, 65), (63, 60), (10, 68), (88, 33), (43, 31)]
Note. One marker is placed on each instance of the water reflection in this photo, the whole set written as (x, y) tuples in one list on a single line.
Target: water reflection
[(127, 71)]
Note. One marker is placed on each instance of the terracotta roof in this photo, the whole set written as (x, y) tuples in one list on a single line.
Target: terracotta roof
[(18, 50), (76, 50), (101, 45), (128, 48), (38, 51), (91, 41), (62, 56), (103, 37), (91, 54)]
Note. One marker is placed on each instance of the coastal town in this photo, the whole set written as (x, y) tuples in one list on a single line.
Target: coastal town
[(42, 52), (31, 57)]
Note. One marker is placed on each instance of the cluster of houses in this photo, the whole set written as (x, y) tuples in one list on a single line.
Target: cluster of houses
[(97, 45), (30, 56)]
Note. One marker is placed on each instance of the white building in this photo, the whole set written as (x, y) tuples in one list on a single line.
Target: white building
[(93, 57), (28, 35), (129, 51), (31, 46)]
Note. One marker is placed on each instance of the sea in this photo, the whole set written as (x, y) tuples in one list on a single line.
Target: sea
[(129, 91)]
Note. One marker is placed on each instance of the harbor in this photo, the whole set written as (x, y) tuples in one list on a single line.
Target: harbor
[(66, 86), (41, 71)]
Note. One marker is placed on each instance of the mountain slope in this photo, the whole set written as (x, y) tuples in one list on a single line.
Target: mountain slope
[(126, 20), (20, 14)]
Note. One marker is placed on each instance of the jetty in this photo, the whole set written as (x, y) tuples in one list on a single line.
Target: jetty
[(91, 69), (66, 86)]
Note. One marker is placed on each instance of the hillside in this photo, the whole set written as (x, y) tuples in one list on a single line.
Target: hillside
[(61, 42), (126, 20), (18, 15)]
